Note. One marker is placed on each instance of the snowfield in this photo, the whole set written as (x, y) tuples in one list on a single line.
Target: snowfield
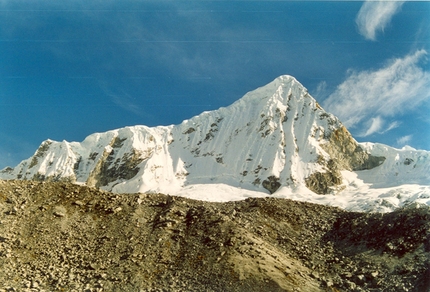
[(362, 198)]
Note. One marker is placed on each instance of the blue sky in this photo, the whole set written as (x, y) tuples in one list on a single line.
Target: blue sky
[(72, 68)]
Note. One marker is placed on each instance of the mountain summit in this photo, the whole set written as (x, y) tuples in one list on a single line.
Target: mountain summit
[(274, 139)]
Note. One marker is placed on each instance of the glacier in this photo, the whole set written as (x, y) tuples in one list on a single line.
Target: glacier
[(274, 141)]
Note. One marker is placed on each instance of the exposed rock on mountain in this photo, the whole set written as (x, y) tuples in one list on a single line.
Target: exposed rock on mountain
[(274, 136), (65, 237), (345, 154), (349, 155)]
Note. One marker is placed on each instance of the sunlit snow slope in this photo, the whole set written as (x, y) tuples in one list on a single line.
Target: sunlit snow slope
[(276, 140)]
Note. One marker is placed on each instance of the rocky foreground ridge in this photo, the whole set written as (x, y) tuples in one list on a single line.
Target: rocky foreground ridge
[(65, 237)]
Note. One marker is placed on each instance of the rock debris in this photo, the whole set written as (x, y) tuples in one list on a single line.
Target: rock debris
[(65, 237)]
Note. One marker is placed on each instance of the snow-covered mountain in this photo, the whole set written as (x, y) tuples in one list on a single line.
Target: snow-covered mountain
[(275, 140)]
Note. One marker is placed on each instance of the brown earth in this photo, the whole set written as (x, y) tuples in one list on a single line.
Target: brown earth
[(64, 237)]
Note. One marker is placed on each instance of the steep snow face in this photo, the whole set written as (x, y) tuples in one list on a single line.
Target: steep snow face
[(268, 138), (276, 139)]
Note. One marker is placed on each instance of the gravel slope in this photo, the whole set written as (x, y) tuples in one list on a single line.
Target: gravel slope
[(64, 237)]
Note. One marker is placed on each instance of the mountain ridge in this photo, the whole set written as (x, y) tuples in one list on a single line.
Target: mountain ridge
[(274, 137)]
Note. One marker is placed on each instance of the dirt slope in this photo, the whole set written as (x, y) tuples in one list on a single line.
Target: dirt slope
[(64, 237)]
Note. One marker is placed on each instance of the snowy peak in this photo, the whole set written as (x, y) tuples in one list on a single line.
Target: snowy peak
[(268, 138), (275, 137)]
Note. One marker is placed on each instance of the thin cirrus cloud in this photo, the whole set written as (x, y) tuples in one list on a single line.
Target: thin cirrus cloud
[(374, 16), (366, 99), (123, 100), (404, 140), (377, 125)]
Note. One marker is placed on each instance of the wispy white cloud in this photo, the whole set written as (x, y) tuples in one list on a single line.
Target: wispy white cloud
[(321, 90), (375, 126), (391, 126), (381, 94), (374, 16), (402, 141), (123, 100)]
